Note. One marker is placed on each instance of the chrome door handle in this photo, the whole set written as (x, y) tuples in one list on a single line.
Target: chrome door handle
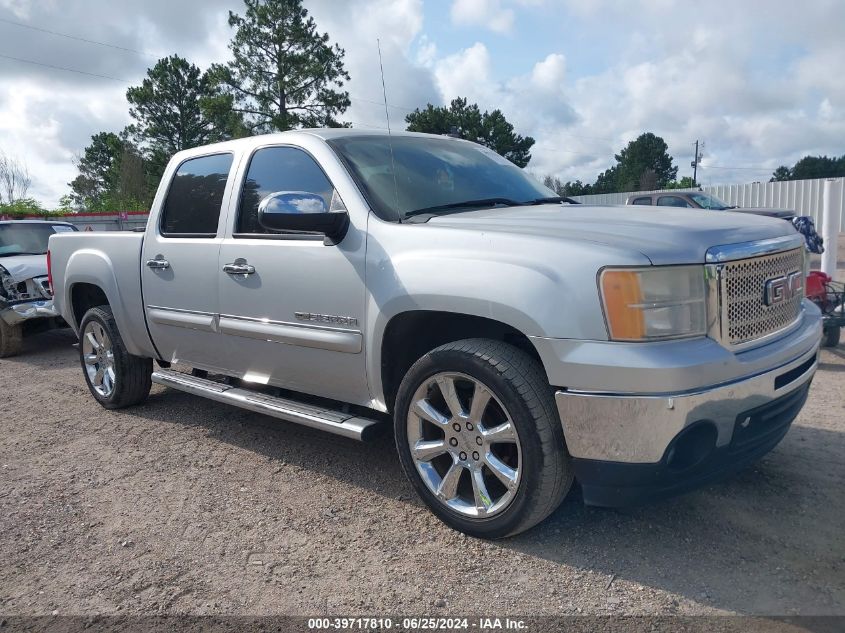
[(158, 264), (238, 269)]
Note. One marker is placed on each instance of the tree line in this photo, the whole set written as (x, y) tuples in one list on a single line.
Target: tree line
[(285, 74)]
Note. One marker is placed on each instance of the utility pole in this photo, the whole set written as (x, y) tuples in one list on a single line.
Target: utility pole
[(694, 165)]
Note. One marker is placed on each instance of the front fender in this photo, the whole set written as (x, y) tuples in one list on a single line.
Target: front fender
[(538, 286)]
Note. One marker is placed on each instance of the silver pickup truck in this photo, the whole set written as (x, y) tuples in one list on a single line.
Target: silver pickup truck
[(340, 279)]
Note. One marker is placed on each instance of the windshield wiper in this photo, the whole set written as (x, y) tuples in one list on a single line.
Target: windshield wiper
[(16, 254), (481, 202)]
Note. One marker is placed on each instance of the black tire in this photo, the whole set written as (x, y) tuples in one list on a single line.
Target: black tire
[(133, 374), (831, 335), (520, 385), (11, 339)]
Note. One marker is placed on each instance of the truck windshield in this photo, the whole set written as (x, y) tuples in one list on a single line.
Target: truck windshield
[(706, 201), (434, 175), (26, 238)]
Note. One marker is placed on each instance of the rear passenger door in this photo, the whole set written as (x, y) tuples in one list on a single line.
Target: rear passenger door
[(179, 262)]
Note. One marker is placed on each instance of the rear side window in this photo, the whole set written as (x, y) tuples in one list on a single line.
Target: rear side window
[(672, 201), (192, 206), (275, 169), (645, 201)]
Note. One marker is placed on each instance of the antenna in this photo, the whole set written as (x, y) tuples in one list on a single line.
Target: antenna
[(389, 135)]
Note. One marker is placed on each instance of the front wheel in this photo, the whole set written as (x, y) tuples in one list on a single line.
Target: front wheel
[(830, 336), (115, 377), (11, 339), (479, 438)]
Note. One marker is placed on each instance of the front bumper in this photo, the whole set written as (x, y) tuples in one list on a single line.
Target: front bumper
[(632, 447), (19, 312)]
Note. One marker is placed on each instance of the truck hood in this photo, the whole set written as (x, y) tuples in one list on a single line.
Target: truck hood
[(23, 267), (664, 235)]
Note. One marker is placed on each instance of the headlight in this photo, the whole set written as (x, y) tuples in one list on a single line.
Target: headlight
[(658, 302), (8, 287)]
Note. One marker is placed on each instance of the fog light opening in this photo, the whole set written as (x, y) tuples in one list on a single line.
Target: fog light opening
[(692, 446)]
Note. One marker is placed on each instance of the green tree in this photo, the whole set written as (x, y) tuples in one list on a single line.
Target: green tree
[(781, 173), (684, 183), (644, 163), (491, 129), (112, 175), (177, 107), (284, 73)]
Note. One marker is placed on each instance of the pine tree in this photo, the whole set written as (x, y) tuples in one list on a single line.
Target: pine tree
[(285, 74)]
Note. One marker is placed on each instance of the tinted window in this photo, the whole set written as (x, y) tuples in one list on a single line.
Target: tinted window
[(276, 169), (195, 197), (672, 201), (645, 201)]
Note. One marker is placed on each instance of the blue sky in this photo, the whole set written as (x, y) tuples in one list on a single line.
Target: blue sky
[(758, 81)]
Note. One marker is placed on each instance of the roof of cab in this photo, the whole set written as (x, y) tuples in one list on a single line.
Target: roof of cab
[(325, 134)]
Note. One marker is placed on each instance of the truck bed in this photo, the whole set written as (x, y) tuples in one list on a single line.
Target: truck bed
[(111, 261)]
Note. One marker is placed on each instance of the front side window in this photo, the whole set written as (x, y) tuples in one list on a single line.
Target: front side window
[(274, 170), (193, 203), (672, 201), (406, 175), (643, 201), (706, 201)]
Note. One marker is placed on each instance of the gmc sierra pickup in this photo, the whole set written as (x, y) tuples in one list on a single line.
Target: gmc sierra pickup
[(335, 278)]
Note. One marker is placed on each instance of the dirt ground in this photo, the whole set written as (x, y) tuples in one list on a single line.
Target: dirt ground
[(183, 505)]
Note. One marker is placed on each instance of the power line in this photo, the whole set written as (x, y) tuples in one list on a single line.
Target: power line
[(77, 38), (70, 70)]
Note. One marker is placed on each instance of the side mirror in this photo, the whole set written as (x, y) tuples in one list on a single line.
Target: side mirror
[(302, 211)]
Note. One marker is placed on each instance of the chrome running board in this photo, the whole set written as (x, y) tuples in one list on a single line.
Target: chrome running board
[(337, 422)]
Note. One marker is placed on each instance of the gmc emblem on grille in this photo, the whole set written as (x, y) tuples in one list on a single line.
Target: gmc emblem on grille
[(784, 288)]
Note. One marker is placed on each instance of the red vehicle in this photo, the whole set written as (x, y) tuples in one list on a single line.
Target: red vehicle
[(830, 297)]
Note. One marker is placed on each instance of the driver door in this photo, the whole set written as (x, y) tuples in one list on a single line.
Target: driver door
[(295, 319)]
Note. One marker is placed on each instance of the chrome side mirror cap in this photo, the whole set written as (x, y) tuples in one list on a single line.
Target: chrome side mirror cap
[(304, 212)]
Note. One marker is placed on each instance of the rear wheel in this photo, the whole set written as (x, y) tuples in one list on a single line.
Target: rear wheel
[(11, 339), (115, 377), (479, 438)]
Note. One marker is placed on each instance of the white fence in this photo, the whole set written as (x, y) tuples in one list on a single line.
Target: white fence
[(805, 197)]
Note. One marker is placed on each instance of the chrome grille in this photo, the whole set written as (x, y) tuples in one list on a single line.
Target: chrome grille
[(745, 315)]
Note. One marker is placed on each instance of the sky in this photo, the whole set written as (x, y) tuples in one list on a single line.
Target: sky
[(759, 82)]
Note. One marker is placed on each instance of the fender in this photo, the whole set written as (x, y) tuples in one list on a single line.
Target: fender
[(91, 266)]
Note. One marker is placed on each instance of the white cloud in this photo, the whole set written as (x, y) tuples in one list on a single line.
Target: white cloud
[(487, 13)]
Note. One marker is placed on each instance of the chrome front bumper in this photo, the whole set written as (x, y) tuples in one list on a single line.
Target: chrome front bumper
[(19, 312), (634, 428)]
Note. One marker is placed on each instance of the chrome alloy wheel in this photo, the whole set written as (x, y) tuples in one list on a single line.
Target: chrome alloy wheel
[(464, 444), (98, 355)]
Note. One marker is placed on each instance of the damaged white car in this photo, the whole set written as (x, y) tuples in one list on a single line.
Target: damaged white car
[(26, 302)]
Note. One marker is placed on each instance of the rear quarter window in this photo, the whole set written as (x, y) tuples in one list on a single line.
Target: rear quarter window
[(643, 201), (195, 197)]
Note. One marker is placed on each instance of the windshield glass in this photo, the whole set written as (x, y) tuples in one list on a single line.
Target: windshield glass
[(26, 238), (706, 201), (432, 172)]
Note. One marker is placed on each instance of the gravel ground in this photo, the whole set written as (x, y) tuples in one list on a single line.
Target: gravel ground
[(182, 505)]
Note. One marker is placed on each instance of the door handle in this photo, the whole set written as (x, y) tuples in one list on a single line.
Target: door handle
[(158, 264), (238, 269)]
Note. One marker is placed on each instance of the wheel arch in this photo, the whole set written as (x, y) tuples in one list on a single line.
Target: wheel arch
[(90, 277), (408, 335)]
